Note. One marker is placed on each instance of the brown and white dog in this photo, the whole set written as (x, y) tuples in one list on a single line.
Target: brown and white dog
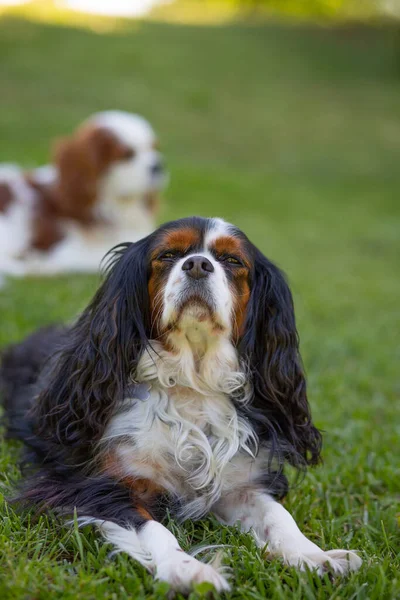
[(102, 190)]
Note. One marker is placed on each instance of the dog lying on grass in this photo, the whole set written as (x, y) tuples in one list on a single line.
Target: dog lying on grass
[(179, 389), (102, 189)]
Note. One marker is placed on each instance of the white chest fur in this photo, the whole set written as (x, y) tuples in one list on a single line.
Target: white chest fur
[(192, 442), (192, 445)]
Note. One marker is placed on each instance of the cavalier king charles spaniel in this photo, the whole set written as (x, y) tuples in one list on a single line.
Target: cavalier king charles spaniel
[(102, 189), (179, 390)]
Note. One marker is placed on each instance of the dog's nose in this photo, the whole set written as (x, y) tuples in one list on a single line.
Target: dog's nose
[(197, 267), (157, 168)]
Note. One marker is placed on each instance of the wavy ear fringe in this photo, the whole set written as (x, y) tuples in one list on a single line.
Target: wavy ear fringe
[(87, 378), (270, 345)]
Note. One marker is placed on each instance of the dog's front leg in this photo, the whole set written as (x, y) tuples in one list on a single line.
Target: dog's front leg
[(159, 551), (272, 525)]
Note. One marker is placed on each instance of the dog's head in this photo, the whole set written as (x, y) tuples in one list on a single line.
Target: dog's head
[(200, 281), (113, 157), (193, 282)]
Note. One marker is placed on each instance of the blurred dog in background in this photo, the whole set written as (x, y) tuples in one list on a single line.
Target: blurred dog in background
[(102, 189)]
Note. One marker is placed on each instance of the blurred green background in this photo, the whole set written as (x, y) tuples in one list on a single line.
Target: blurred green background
[(284, 118)]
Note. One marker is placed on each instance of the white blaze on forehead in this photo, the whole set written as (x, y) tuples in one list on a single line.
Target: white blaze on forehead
[(131, 129), (219, 228)]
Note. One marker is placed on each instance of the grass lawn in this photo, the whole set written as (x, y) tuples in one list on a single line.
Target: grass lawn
[(294, 135)]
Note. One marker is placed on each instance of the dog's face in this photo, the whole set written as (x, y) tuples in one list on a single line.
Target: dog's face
[(200, 280), (141, 170), (111, 160)]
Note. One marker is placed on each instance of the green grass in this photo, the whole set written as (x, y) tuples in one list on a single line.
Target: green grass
[(294, 135)]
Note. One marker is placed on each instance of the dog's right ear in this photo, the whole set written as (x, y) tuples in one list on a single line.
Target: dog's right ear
[(81, 160), (101, 351), (77, 179)]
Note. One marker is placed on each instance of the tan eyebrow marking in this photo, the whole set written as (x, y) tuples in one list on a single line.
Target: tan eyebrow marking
[(229, 245), (179, 239)]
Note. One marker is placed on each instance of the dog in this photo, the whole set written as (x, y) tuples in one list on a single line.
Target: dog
[(179, 390), (102, 189)]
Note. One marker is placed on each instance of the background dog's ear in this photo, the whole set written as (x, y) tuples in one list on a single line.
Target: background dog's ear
[(77, 179), (81, 160), (271, 347), (102, 349)]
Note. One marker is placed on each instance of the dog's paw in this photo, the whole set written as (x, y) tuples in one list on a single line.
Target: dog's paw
[(339, 562), (182, 571)]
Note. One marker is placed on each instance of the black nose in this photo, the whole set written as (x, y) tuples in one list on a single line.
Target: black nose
[(157, 168), (197, 267)]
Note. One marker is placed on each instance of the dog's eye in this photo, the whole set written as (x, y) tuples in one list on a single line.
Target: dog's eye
[(168, 255), (228, 258), (129, 153), (232, 260)]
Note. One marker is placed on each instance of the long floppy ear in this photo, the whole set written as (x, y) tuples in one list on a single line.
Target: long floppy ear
[(77, 179), (102, 349), (81, 160), (271, 347)]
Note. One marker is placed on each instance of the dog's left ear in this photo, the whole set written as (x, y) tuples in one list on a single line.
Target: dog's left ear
[(271, 347)]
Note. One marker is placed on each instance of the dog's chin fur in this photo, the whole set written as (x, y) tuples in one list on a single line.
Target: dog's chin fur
[(125, 426), (194, 322)]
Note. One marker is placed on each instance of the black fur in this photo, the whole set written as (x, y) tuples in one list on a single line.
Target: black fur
[(60, 386), (270, 345), (59, 402), (21, 366), (102, 349), (98, 497)]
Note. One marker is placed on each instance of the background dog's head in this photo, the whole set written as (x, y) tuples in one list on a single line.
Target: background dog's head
[(112, 158)]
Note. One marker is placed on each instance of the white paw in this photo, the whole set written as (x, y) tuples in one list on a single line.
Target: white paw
[(182, 571), (338, 561)]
